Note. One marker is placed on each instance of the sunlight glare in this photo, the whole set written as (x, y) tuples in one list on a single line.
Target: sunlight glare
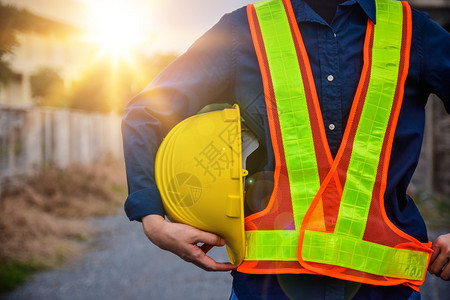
[(117, 27)]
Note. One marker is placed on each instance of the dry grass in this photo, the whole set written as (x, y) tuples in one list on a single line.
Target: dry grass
[(43, 222)]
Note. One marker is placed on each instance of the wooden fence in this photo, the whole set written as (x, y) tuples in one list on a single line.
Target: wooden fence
[(33, 138)]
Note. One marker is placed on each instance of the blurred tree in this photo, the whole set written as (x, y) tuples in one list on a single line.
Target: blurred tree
[(8, 40), (90, 91), (107, 87), (47, 87), (104, 86), (14, 20)]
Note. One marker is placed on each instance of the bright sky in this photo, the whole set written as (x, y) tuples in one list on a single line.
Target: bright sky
[(171, 25), (168, 24)]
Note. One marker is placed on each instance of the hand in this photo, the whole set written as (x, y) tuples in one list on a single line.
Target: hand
[(182, 240), (439, 262)]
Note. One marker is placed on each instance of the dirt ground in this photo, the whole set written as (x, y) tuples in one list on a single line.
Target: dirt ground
[(42, 221)]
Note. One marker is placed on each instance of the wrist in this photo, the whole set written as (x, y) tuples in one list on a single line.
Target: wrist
[(152, 223)]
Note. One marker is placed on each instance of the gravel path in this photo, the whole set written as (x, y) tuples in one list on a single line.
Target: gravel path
[(122, 264)]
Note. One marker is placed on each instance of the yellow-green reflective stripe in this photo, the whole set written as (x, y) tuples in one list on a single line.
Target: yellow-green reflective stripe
[(276, 245), (364, 256), (295, 130), (323, 247), (368, 143), (291, 104), (345, 246)]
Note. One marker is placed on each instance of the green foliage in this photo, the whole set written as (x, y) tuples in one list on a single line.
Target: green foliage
[(5, 72), (47, 87), (8, 40), (14, 273)]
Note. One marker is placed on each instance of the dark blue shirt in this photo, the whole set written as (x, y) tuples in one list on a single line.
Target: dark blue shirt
[(221, 67)]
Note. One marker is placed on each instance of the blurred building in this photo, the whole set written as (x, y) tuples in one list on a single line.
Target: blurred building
[(48, 42), (33, 137)]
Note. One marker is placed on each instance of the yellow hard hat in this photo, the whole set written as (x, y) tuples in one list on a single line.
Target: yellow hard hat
[(199, 174)]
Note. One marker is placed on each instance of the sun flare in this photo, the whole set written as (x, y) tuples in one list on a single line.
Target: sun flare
[(117, 28)]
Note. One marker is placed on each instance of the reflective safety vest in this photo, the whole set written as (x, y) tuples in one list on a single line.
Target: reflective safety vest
[(326, 216)]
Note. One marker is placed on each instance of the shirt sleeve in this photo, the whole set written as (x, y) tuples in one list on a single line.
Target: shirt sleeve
[(436, 60), (201, 76)]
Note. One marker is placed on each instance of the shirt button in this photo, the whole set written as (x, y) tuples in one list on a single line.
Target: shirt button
[(331, 126), (330, 78)]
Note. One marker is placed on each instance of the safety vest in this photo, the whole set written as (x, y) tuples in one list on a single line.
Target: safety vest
[(326, 216)]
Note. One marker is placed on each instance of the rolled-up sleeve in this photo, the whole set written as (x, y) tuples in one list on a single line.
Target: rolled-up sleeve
[(202, 75)]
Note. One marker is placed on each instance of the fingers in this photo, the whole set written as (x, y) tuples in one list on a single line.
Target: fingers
[(201, 260), (435, 254), (445, 274), (182, 240), (439, 261), (198, 254), (209, 264), (208, 238), (437, 266)]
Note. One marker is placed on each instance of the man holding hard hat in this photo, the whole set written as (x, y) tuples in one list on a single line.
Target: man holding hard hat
[(334, 92)]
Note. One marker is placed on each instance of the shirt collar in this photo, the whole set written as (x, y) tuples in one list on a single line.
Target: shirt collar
[(304, 13)]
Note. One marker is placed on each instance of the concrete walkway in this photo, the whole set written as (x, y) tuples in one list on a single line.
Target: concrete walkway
[(123, 264)]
